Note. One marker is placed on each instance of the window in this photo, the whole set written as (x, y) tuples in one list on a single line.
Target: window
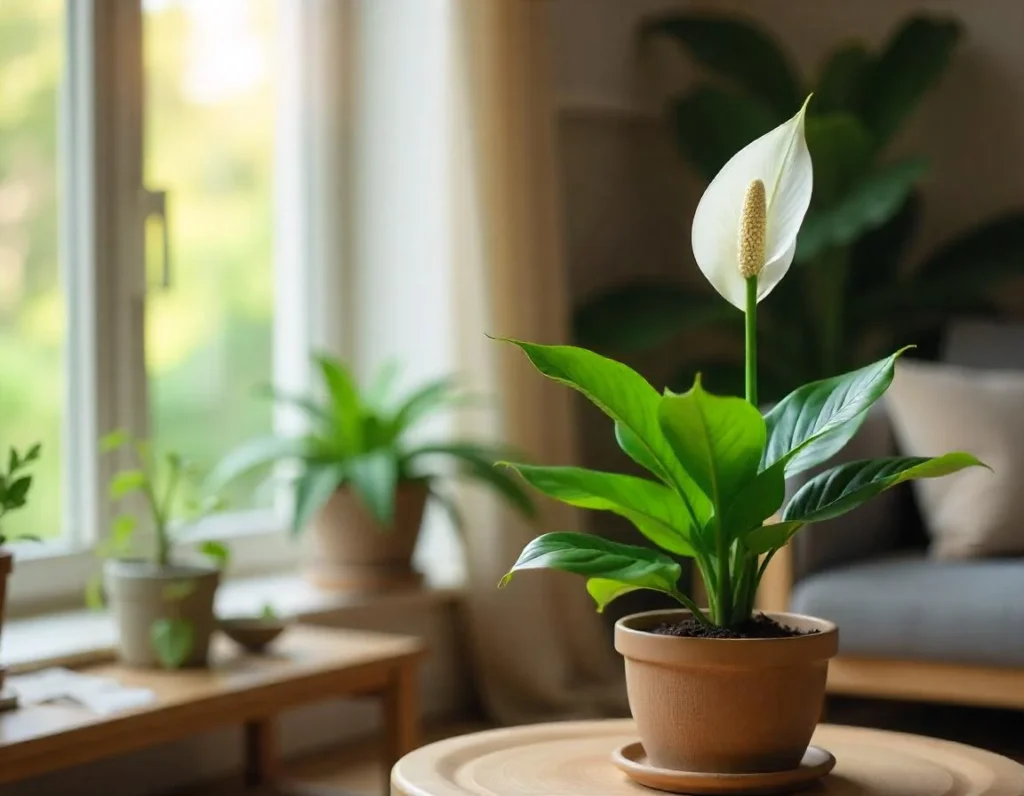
[(137, 273)]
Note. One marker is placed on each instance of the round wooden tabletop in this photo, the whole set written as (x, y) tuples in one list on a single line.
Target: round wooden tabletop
[(571, 758)]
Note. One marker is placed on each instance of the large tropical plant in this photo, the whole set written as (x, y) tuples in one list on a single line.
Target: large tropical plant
[(719, 465), (851, 249), (367, 441)]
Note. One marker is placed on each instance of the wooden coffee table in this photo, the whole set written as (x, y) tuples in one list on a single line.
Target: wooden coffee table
[(574, 758)]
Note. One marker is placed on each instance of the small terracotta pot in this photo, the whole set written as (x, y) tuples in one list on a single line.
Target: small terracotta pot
[(6, 565), (726, 706), (353, 552)]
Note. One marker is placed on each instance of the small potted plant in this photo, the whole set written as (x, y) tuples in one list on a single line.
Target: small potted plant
[(721, 689), (365, 477), (15, 484), (162, 603)]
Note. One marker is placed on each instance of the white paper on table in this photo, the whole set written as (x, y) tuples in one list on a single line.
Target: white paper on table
[(101, 695)]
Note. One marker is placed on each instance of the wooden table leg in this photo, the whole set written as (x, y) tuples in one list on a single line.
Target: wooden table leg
[(260, 752), (401, 716)]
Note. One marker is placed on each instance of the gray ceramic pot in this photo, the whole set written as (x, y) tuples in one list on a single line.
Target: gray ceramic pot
[(141, 593)]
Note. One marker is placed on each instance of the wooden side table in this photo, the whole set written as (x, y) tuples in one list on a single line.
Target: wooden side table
[(574, 758)]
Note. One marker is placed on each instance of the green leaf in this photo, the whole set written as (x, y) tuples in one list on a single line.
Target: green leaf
[(267, 613), (626, 397), (313, 489), (176, 590), (770, 537), (346, 407), (840, 148), (256, 453), (815, 421), (12, 462), (740, 51), (428, 398), (638, 316), (877, 255), (713, 124), (126, 482), (17, 492), (121, 531), (841, 84), (759, 499), (912, 61), (584, 554), (374, 478), (843, 488), (172, 639), (33, 454), (309, 406), (868, 205), (478, 463), (719, 441), (604, 591), (217, 551), (114, 440), (379, 393), (656, 511)]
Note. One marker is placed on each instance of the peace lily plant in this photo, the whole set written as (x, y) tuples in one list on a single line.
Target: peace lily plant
[(718, 464)]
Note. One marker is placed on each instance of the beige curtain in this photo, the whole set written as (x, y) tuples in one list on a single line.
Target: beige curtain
[(541, 649)]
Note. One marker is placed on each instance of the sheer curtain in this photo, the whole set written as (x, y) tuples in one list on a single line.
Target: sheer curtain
[(540, 646), (426, 172)]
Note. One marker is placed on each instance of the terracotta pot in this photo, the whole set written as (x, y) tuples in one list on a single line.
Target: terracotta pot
[(6, 565), (140, 593), (725, 706), (353, 552)]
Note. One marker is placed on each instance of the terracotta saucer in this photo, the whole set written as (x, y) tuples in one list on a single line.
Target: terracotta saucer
[(632, 759)]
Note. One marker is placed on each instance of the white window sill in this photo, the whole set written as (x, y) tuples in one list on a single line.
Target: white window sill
[(79, 637)]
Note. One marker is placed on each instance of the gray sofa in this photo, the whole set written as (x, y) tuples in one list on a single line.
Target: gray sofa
[(869, 571)]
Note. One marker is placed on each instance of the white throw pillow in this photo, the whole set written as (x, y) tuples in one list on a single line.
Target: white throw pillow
[(936, 409)]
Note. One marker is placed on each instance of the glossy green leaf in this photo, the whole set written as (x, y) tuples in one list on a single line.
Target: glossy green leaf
[(172, 640), (626, 397), (875, 199), (770, 537), (126, 482), (912, 61), (477, 462), (758, 500), (719, 441), (815, 421), (713, 124), (378, 395), (638, 316), (217, 551), (33, 454), (746, 54), (594, 557), (841, 84), (374, 477), (656, 511), (312, 490), (346, 406), (604, 591), (843, 488)]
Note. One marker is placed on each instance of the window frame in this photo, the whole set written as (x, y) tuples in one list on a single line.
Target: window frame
[(103, 208)]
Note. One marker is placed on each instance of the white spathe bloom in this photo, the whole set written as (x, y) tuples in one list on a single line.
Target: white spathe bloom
[(780, 160)]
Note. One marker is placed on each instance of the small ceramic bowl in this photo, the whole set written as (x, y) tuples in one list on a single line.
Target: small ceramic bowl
[(252, 632)]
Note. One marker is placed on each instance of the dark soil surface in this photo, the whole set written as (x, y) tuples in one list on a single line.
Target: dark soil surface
[(758, 626)]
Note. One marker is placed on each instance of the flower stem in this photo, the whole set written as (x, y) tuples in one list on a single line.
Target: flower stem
[(751, 340)]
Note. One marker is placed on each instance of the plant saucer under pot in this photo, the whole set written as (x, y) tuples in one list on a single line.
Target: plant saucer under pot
[(729, 706)]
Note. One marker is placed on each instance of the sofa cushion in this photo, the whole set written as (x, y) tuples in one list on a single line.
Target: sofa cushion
[(915, 608)]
